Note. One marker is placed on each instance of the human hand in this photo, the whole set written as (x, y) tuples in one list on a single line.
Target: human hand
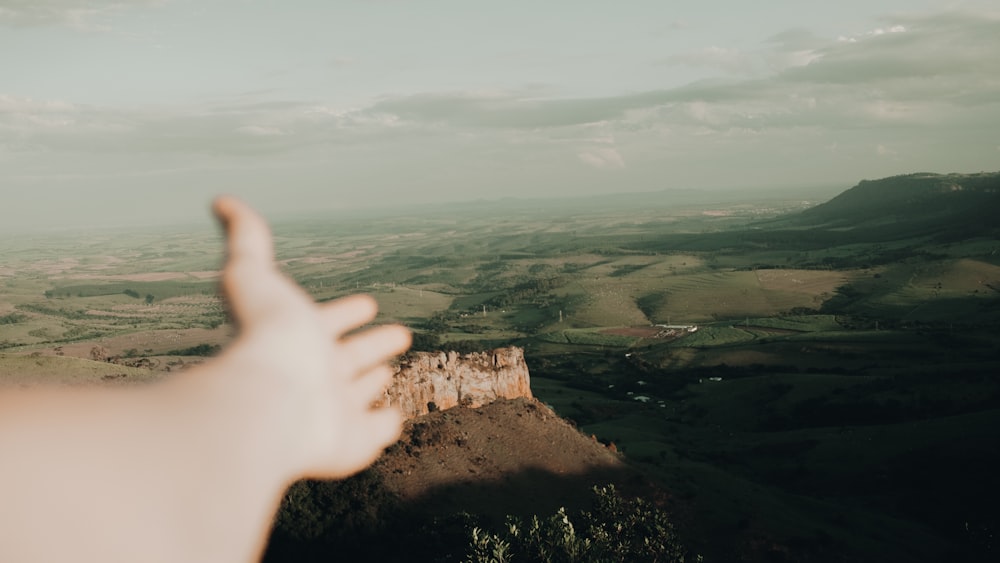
[(193, 467), (300, 362)]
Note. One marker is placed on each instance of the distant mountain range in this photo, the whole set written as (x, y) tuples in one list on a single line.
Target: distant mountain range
[(943, 206)]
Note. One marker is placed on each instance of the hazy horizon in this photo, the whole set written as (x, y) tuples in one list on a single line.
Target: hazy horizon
[(127, 111)]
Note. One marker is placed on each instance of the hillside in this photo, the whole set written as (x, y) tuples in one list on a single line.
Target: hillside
[(476, 447), (837, 402), (949, 206), (450, 469), (21, 371)]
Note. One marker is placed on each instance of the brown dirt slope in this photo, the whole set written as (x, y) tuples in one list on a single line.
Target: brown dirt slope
[(508, 457), (449, 470)]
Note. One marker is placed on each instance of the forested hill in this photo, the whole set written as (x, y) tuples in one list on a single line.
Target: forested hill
[(948, 205)]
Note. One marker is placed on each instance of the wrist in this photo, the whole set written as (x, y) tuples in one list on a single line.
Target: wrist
[(246, 412)]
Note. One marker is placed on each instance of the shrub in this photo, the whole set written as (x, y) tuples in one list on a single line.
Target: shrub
[(425, 342), (12, 318), (199, 350), (319, 518), (616, 529)]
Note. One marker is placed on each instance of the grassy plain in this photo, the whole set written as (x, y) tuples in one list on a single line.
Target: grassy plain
[(829, 402)]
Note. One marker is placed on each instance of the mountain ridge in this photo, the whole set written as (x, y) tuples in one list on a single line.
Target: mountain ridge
[(943, 205)]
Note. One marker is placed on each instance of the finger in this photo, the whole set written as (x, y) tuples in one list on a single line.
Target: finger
[(370, 385), (359, 448), (385, 424), (382, 427), (348, 313), (248, 233), (376, 345), (249, 276)]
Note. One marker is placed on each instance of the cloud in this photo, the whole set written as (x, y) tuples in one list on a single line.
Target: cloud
[(502, 109), (239, 128), (918, 70), (78, 14), (919, 48), (877, 31), (671, 27), (604, 158), (233, 128), (732, 61), (790, 48), (260, 131), (883, 150), (929, 90), (341, 62)]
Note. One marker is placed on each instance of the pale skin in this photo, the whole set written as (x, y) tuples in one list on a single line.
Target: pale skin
[(193, 468)]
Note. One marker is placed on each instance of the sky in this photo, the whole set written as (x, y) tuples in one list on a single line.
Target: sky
[(140, 111)]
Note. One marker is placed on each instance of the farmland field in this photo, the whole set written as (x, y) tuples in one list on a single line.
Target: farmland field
[(787, 406)]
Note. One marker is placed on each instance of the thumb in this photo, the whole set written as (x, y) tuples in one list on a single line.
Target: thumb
[(249, 274)]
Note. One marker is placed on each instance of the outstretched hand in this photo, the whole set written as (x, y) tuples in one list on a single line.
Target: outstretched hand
[(318, 373), (192, 468)]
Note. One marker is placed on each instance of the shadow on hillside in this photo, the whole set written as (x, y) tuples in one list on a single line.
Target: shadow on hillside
[(961, 313), (358, 520), (529, 492)]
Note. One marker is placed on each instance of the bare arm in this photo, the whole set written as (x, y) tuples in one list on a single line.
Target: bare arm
[(193, 468)]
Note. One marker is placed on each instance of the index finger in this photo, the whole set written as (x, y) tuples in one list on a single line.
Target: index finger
[(348, 313)]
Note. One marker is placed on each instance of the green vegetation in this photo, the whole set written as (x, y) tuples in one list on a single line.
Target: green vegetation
[(12, 318), (615, 529), (356, 519), (837, 402), (161, 289), (588, 337), (199, 350), (325, 512)]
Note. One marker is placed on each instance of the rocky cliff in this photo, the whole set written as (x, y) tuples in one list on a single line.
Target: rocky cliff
[(428, 381)]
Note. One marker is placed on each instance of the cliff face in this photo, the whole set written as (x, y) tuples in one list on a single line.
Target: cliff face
[(441, 380)]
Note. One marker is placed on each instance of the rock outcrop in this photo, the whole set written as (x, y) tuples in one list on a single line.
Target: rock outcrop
[(429, 381)]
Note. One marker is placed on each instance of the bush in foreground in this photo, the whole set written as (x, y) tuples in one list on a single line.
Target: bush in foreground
[(616, 529)]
